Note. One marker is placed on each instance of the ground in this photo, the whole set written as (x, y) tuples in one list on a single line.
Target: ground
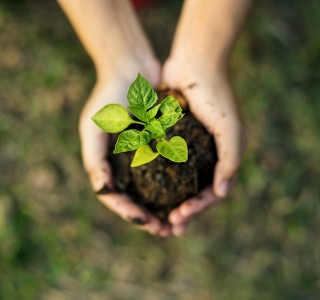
[(58, 242)]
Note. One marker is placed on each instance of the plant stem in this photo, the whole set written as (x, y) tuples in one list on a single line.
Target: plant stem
[(137, 122)]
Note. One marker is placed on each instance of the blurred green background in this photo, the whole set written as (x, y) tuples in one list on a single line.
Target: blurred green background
[(57, 242)]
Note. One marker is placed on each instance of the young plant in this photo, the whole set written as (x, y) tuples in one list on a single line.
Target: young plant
[(114, 118)]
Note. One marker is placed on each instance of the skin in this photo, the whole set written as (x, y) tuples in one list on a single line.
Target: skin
[(197, 65)]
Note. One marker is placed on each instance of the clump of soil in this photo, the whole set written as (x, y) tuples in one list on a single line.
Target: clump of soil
[(162, 185)]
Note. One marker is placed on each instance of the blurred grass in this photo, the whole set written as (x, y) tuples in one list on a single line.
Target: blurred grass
[(58, 242)]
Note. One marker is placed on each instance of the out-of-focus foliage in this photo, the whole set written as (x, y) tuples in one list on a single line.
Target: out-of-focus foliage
[(58, 242)]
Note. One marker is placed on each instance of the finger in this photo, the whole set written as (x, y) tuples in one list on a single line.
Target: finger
[(175, 217), (198, 203), (165, 231), (122, 205), (225, 126), (94, 148), (219, 113), (179, 230), (230, 144), (94, 152), (192, 207)]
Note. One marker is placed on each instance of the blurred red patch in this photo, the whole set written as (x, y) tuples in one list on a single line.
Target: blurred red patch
[(143, 3)]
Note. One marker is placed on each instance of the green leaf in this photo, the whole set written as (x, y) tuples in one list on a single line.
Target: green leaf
[(140, 113), (143, 155), (141, 94), (170, 105), (154, 126), (169, 119), (130, 140), (112, 118), (175, 150), (145, 137), (152, 112), (171, 112)]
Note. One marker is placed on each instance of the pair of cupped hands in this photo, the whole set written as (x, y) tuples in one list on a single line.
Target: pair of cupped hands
[(210, 99)]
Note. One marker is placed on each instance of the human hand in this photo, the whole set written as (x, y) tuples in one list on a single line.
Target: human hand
[(212, 102), (94, 143)]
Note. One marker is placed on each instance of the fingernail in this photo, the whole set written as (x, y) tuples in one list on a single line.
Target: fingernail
[(223, 188)]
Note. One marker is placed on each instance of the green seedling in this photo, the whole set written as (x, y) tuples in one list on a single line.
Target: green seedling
[(114, 118)]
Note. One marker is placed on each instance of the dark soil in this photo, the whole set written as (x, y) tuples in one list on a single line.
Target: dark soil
[(162, 185)]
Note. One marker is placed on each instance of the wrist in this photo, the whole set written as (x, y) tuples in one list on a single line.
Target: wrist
[(215, 48), (201, 60), (184, 73), (208, 29), (126, 69)]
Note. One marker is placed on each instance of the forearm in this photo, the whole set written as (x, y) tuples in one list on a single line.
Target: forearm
[(109, 31), (208, 29)]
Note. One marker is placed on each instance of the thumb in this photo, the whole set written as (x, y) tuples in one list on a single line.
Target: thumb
[(230, 147), (94, 146)]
